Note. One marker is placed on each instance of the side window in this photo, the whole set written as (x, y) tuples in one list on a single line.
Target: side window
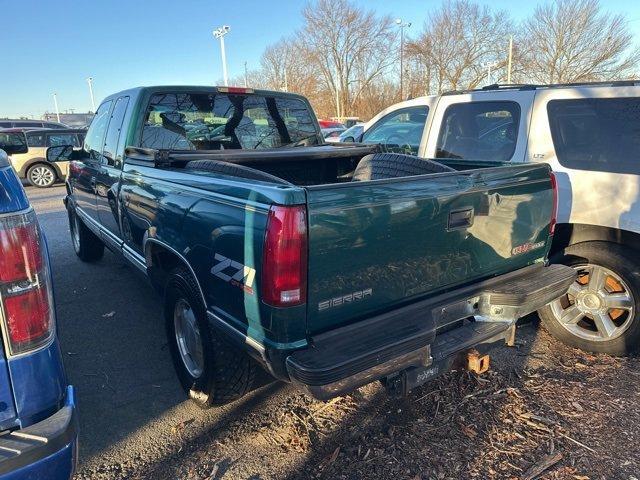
[(479, 131), (399, 131), (35, 139), (5, 124), (29, 124), (597, 134), (57, 139), (111, 142), (94, 140)]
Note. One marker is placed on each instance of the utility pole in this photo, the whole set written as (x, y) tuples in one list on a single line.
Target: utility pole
[(93, 101), (245, 75), (337, 81), (219, 33), (509, 59), (55, 102), (402, 26), (489, 65)]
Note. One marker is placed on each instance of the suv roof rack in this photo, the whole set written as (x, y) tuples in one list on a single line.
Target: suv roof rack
[(534, 86)]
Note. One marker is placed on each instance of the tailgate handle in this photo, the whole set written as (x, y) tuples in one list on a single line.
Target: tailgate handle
[(460, 219)]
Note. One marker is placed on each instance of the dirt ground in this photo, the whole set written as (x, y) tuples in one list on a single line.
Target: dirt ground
[(543, 411)]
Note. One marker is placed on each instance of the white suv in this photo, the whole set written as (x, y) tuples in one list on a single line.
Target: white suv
[(590, 135)]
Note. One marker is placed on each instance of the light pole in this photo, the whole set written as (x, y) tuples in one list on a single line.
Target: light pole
[(220, 33), (93, 100), (402, 26), (55, 102), (489, 65)]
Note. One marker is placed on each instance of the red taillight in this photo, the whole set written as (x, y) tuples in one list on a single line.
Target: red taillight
[(25, 292), (284, 261), (554, 208)]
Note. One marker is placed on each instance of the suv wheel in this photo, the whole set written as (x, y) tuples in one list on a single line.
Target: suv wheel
[(41, 175), (212, 371), (601, 311)]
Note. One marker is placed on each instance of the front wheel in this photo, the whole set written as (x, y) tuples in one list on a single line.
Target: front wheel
[(41, 175), (212, 371), (601, 311)]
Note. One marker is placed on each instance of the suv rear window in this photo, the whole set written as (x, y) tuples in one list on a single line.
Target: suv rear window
[(598, 134), (479, 131), (216, 121), (35, 139)]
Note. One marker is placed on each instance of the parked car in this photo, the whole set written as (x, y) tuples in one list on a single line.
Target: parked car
[(330, 265), (38, 425), (330, 124), (33, 165), (8, 123), (351, 133), (332, 134), (588, 134)]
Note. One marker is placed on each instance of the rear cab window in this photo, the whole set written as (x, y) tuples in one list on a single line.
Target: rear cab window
[(597, 134), (399, 131), (220, 121), (479, 131)]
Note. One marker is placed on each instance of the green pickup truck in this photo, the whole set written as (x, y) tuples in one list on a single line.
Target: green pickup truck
[(332, 266)]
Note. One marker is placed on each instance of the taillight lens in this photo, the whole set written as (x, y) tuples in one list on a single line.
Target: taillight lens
[(284, 261), (554, 210), (25, 286)]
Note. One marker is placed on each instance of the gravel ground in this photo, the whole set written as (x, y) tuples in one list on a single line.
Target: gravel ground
[(543, 411)]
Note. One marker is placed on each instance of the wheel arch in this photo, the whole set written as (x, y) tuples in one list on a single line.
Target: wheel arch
[(572, 233), (161, 259)]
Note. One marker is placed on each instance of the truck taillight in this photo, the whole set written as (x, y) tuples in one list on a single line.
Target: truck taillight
[(554, 208), (25, 287), (284, 261)]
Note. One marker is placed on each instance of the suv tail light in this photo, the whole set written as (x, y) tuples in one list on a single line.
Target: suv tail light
[(26, 298), (554, 208), (284, 260)]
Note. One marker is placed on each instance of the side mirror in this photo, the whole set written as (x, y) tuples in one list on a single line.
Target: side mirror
[(60, 153), (14, 149)]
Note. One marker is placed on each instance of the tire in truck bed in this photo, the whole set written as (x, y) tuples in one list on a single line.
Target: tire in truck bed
[(391, 165)]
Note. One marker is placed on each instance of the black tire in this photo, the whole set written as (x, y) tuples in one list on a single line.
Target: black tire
[(227, 372), (392, 165), (41, 175), (621, 261), (233, 170), (88, 247)]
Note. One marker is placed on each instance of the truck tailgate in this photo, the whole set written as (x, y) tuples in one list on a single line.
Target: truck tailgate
[(374, 246)]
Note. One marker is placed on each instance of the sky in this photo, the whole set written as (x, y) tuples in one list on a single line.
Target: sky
[(53, 46)]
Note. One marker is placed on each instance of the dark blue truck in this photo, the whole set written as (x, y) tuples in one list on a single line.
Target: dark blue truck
[(38, 424)]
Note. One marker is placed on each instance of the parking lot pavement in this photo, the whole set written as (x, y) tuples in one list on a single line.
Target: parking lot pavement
[(535, 404)]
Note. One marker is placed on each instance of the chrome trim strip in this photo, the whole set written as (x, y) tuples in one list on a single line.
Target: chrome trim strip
[(181, 257), (135, 258), (89, 222)]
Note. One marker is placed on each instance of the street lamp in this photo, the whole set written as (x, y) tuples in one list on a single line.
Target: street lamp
[(220, 33), (55, 102), (93, 100), (402, 26), (489, 65)]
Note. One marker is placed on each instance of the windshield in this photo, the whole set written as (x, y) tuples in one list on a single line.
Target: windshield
[(208, 121)]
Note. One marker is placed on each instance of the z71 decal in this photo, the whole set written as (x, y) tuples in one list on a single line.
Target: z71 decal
[(235, 273)]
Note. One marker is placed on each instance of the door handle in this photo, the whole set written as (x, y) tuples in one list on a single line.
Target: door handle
[(462, 218)]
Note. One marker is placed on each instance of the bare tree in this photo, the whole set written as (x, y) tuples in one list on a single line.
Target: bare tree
[(573, 40), (350, 47), (458, 44)]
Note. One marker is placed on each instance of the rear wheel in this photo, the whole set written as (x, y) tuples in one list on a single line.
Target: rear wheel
[(212, 371), (601, 310), (88, 247), (41, 175)]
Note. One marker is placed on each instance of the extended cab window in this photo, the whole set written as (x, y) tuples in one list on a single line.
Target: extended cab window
[(399, 131), (93, 142), (111, 153), (215, 121), (597, 134), (479, 131)]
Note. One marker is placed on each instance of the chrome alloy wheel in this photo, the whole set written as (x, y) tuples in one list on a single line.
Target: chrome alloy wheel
[(75, 232), (188, 338), (41, 176), (599, 305)]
